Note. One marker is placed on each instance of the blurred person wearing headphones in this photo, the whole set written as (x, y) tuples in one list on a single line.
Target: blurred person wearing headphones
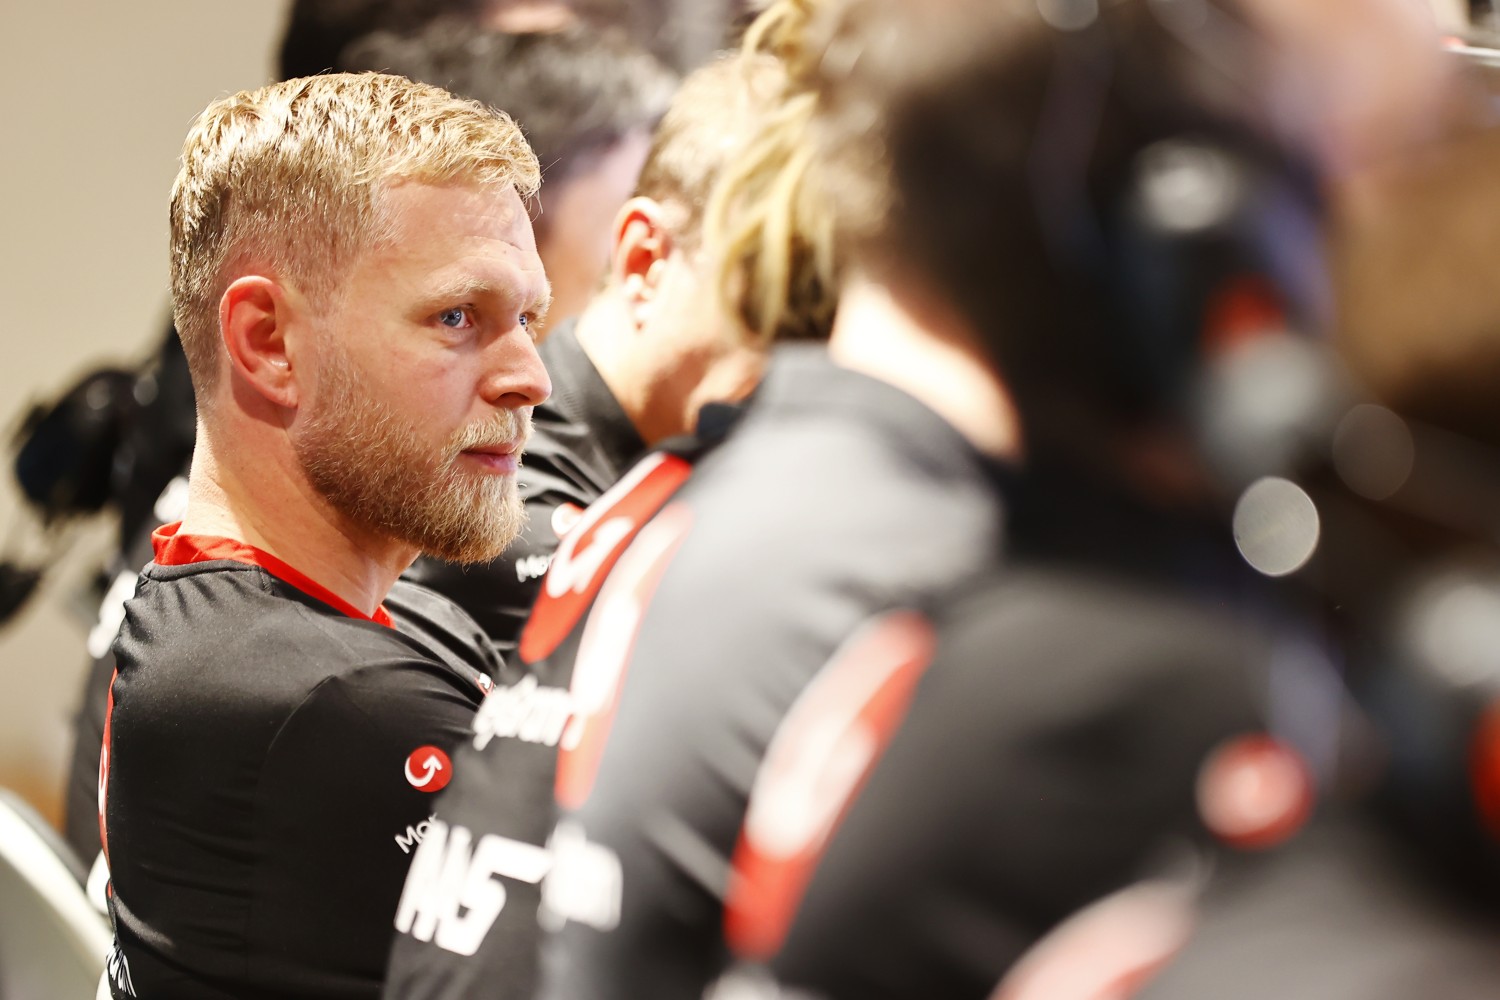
[(1391, 893)]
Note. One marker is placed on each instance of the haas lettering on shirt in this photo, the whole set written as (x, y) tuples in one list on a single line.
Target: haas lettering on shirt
[(456, 888)]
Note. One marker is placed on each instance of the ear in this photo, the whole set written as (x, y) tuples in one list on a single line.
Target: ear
[(642, 243), (255, 315)]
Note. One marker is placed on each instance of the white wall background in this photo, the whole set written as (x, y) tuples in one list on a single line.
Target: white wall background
[(95, 98)]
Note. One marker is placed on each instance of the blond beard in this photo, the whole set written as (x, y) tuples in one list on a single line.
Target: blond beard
[(374, 468)]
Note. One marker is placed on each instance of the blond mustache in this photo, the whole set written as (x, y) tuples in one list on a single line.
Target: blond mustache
[(507, 427)]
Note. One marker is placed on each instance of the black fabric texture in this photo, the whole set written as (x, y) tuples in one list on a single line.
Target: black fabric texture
[(1049, 758), (259, 814), (1051, 751)]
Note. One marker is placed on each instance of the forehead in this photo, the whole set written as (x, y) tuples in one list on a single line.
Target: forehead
[(445, 230)]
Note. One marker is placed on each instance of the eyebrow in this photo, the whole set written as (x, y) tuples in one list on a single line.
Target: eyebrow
[(542, 305), (472, 286)]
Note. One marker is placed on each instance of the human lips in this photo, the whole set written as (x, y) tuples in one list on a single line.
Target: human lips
[(503, 458)]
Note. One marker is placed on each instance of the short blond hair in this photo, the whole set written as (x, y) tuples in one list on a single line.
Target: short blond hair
[(288, 178)]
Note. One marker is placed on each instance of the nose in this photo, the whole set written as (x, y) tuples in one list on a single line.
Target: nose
[(514, 374)]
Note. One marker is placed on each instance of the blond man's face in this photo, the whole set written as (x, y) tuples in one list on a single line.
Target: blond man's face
[(425, 372)]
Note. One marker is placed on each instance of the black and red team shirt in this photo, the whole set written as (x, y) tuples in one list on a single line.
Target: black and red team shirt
[(467, 921), (957, 782), (838, 495), (269, 762), (581, 444)]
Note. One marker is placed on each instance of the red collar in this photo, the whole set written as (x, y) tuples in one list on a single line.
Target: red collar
[(172, 549)]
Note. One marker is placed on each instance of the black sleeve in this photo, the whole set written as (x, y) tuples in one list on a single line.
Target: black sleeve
[(1050, 752), (344, 798)]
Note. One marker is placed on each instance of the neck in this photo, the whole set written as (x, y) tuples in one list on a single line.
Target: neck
[(604, 331), (875, 334), (617, 350), (267, 502)]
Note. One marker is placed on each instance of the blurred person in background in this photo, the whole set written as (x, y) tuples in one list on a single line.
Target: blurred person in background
[(861, 474), (1105, 205), (667, 347), (354, 277), (1392, 892), (1090, 713)]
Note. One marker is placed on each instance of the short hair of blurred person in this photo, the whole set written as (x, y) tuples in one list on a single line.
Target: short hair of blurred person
[(587, 99)]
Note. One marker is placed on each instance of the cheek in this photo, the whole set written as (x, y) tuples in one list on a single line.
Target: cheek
[(429, 402)]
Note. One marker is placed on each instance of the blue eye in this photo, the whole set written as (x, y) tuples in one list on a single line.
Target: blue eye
[(456, 318), (525, 321)]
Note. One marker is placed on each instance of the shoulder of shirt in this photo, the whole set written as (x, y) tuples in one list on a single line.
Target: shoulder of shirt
[(781, 494), (398, 707), (262, 609)]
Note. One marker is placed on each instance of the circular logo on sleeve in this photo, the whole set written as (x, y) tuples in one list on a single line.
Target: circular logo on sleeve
[(428, 769)]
